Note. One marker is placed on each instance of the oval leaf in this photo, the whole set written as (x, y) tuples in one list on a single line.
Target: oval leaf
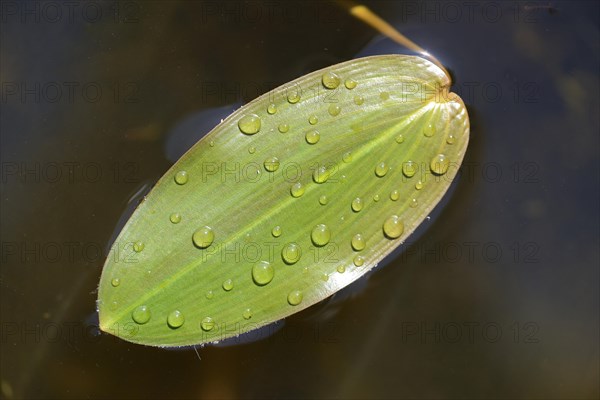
[(288, 200)]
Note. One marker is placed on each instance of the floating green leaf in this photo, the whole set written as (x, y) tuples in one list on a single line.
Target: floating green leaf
[(288, 200)]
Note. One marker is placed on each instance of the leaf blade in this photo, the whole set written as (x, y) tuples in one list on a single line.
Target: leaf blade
[(230, 188)]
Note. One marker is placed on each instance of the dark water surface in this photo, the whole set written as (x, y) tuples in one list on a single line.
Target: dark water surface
[(499, 299)]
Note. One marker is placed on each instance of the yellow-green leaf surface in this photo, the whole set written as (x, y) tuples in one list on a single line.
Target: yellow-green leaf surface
[(288, 200)]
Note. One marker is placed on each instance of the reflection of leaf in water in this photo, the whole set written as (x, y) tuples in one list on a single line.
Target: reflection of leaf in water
[(288, 200)]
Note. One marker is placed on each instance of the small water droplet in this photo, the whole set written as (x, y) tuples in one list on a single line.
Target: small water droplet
[(419, 185), (409, 169), (413, 203), (115, 282), (450, 139), (203, 237), (207, 324), (271, 164), (175, 319), (341, 269), (429, 130), (320, 235), (271, 108), (357, 204), (393, 227), (276, 231), (399, 139), (347, 157), (330, 80), (247, 314), (291, 253), (175, 218), (262, 273), (212, 143), (376, 198), (313, 136), (138, 247), (251, 149), (334, 110), (324, 277), (209, 294), (293, 97), (321, 174), (358, 242), (359, 261), (394, 195), (181, 177), (350, 84), (295, 297), (359, 100), (439, 164), (283, 128), (141, 315), (297, 189), (323, 200), (384, 96), (228, 285), (249, 124), (381, 169), (313, 119)]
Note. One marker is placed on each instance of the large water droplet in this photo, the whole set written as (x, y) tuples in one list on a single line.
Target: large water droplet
[(321, 174), (227, 285), (263, 273), (175, 319), (393, 227), (175, 218), (357, 204), (409, 169), (313, 136), (295, 297), (181, 177), (320, 235), (381, 169), (291, 253), (249, 124), (271, 164), (330, 80), (203, 237), (313, 119), (115, 282), (141, 315), (297, 189), (439, 164), (276, 231), (350, 84), (358, 242), (207, 324), (283, 128)]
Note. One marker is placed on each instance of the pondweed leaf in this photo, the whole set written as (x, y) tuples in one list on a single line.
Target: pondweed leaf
[(288, 200)]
